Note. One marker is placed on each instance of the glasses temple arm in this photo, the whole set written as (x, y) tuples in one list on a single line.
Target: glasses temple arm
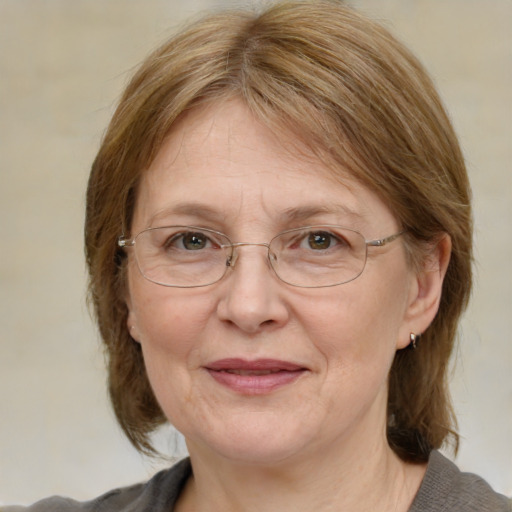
[(383, 241), (122, 241)]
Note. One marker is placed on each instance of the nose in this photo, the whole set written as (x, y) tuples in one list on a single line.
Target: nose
[(252, 295)]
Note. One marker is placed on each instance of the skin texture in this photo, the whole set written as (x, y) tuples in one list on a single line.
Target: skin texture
[(331, 420)]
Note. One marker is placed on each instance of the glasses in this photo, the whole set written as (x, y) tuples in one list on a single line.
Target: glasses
[(307, 257)]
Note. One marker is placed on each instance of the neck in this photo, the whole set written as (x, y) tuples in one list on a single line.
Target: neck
[(373, 478)]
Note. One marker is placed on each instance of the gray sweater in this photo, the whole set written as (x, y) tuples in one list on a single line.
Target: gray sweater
[(444, 489)]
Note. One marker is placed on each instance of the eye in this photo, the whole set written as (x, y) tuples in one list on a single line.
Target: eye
[(320, 240), (190, 241), (194, 241)]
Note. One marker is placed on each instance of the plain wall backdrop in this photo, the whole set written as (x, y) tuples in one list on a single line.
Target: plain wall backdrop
[(62, 66)]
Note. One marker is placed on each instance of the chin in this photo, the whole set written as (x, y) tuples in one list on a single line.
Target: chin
[(254, 444), (258, 453)]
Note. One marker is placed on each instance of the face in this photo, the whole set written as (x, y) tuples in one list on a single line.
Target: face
[(251, 368)]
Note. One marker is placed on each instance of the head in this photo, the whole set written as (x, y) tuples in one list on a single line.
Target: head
[(345, 89)]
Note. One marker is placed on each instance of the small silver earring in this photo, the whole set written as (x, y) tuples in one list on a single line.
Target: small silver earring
[(414, 338)]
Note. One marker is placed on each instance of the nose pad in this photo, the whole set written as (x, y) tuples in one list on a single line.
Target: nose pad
[(249, 300), (233, 258)]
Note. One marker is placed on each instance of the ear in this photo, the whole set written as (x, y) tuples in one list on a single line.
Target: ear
[(425, 291), (131, 322)]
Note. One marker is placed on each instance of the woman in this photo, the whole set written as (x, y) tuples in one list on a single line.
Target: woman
[(278, 236)]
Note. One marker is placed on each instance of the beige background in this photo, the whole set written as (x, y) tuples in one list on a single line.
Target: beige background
[(62, 65)]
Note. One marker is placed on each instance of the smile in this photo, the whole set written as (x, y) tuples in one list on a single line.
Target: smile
[(254, 377), (251, 372)]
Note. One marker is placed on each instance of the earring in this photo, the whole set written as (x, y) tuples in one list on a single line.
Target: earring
[(414, 338)]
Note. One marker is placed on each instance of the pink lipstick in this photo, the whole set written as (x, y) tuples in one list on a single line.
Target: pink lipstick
[(254, 377)]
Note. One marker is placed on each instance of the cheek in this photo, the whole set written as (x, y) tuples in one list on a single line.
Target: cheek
[(169, 324), (356, 329), (171, 328)]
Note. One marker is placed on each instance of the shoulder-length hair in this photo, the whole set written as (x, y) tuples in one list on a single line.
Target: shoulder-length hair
[(350, 91)]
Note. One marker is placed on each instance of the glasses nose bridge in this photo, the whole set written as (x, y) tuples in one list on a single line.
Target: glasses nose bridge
[(232, 261), (241, 244)]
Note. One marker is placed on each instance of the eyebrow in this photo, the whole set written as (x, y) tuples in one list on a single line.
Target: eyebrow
[(190, 209), (303, 213), (293, 214)]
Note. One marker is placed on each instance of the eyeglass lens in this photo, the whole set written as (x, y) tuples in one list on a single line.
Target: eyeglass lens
[(313, 256)]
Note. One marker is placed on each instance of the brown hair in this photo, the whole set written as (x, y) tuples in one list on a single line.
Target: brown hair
[(361, 101)]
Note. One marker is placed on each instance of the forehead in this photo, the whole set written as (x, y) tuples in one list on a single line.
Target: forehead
[(221, 162), (227, 131)]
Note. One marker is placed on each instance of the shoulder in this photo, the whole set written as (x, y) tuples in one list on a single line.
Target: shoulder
[(445, 488), (158, 494)]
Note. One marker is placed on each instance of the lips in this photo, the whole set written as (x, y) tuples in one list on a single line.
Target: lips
[(254, 377), (251, 372)]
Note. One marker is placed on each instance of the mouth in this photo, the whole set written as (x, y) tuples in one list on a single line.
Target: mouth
[(254, 377), (251, 372)]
